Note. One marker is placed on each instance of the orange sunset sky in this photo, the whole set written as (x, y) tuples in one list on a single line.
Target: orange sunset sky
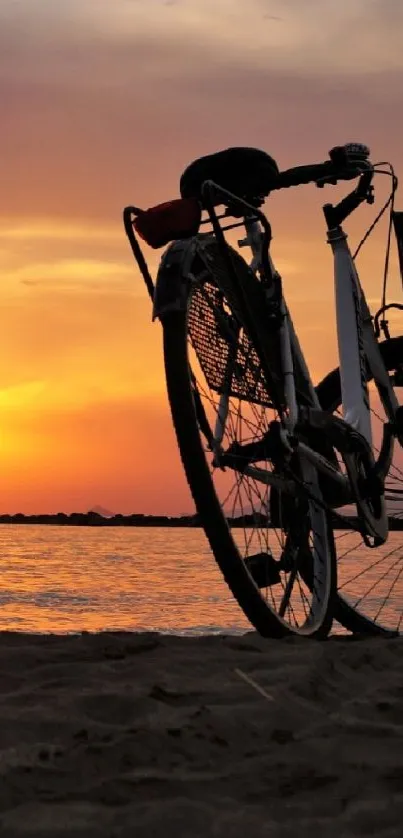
[(104, 102)]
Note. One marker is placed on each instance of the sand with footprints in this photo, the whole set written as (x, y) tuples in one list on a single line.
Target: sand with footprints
[(146, 735)]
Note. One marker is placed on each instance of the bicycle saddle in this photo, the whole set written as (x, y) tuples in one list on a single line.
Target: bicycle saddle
[(247, 172)]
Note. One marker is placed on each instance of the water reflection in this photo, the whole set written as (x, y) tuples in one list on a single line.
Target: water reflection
[(67, 579)]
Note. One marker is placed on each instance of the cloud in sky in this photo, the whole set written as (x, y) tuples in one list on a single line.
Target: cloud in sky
[(103, 104), (97, 96), (361, 36)]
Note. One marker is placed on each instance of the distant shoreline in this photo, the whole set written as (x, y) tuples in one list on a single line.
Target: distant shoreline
[(94, 519)]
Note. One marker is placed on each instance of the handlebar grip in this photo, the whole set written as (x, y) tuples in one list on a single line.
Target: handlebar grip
[(299, 175), (321, 173)]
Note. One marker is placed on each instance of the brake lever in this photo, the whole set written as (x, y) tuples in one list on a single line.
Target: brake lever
[(350, 161), (350, 173), (365, 189)]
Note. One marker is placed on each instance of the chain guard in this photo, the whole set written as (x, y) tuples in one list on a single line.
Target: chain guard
[(366, 486)]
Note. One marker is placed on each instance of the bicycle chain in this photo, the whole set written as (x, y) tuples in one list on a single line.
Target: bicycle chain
[(348, 522), (352, 446)]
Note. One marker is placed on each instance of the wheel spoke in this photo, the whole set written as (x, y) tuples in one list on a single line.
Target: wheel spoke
[(248, 496), (371, 586)]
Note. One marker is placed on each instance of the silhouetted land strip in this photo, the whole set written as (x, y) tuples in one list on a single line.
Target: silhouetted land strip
[(93, 519)]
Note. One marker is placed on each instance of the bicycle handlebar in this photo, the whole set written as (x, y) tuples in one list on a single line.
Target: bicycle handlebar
[(346, 163)]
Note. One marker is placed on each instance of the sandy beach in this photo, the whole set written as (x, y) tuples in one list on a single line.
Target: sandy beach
[(149, 735)]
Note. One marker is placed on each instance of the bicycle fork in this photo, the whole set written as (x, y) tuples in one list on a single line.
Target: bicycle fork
[(358, 350)]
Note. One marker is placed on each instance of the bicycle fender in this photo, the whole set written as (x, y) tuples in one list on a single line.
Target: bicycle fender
[(173, 277)]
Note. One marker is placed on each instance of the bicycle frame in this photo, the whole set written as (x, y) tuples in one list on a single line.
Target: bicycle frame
[(350, 337), (357, 347), (357, 344)]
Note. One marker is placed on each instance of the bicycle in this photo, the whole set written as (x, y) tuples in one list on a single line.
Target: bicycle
[(273, 467)]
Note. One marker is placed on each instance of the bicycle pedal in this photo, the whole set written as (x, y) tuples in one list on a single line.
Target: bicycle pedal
[(263, 569)]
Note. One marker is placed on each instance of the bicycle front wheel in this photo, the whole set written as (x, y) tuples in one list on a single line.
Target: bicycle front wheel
[(266, 556), (370, 598)]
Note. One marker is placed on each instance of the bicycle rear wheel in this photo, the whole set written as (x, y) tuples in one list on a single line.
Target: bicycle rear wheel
[(266, 556), (370, 598)]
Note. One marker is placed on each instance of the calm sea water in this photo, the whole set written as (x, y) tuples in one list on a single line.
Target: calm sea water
[(69, 579)]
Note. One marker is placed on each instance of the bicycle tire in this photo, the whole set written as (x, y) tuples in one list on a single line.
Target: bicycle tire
[(256, 608), (329, 393)]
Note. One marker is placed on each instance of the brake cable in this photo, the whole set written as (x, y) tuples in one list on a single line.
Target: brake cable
[(382, 324)]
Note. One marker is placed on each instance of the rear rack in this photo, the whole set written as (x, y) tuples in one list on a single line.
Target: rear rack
[(128, 214), (212, 196)]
